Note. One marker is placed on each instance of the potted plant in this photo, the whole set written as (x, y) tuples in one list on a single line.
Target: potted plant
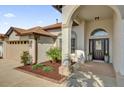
[(26, 58), (90, 56), (54, 54), (106, 57)]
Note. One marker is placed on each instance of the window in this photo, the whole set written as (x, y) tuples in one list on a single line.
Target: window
[(60, 43), (21, 42), (73, 41), (99, 32), (73, 45), (18, 42), (24, 42)]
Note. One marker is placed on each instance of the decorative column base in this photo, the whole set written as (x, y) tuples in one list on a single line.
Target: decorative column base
[(64, 70)]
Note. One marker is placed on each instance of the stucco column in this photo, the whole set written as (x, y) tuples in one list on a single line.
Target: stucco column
[(121, 47), (32, 49), (66, 50), (4, 49)]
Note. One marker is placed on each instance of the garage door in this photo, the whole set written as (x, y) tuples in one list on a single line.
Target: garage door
[(14, 49)]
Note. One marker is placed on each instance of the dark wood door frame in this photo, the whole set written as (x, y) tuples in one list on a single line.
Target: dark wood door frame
[(99, 55)]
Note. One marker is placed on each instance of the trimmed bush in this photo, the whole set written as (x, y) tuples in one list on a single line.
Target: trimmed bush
[(26, 58), (54, 54)]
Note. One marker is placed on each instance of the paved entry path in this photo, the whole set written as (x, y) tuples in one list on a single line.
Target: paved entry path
[(87, 75), (9, 77), (92, 75)]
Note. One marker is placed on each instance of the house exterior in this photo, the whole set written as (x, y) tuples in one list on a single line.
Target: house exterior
[(35, 40), (97, 30), (100, 33)]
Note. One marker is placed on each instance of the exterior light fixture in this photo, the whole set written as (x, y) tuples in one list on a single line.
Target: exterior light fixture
[(96, 18)]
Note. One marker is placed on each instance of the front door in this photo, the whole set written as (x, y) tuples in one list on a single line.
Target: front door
[(99, 48)]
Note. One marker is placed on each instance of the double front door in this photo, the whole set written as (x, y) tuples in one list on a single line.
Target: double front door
[(99, 48)]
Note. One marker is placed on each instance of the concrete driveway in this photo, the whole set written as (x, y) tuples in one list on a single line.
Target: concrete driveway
[(9, 77)]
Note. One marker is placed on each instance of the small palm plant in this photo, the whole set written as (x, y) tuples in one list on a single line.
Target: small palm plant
[(54, 54), (26, 58)]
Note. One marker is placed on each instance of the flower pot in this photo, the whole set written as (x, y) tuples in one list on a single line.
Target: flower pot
[(106, 58), (90, 57)]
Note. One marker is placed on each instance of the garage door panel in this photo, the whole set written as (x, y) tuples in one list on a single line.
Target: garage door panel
[(14, 51)]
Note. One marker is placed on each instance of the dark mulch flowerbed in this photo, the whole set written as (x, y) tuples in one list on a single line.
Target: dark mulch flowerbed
[(52, 75)]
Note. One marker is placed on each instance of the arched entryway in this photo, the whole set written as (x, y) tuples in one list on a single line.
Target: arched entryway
[(89, 18)]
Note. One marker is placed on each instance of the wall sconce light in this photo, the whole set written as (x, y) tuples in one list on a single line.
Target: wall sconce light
[(97, 18)]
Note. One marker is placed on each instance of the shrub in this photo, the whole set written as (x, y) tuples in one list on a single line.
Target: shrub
[(47, 68), (36, 66), (26, 58), (54, 54)]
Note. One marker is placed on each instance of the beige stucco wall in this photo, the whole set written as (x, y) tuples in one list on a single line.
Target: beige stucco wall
[(44, 43), (14, 51), (24, 37), (13, 36), (56, 32), (122, 62), (118, 50), (79, 30)]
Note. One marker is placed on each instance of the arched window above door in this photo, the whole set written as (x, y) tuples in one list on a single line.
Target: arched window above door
[(99, 32)]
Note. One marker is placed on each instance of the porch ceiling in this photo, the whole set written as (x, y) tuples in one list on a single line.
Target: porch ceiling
[(89, 12)]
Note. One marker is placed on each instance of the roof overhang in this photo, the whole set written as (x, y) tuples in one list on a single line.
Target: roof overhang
[(34, 33), (58, 7)]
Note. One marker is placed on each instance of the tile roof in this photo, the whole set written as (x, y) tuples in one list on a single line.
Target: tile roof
[(56, 26), (53, 26), (35, 30), (2, 36), (38, 30)]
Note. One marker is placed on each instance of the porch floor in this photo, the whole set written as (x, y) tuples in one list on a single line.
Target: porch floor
[(98, 68), (92, 74)]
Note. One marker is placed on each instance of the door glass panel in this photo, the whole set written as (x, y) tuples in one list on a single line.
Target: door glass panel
[(98, 45)]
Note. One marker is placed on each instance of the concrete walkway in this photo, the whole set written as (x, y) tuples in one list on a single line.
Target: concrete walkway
[(9, 77), (92, 75)]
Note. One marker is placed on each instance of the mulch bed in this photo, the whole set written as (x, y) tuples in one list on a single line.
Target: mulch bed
[(53, 76)]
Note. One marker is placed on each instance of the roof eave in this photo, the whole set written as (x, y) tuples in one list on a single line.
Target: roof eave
[(58, 7), (33, 33)]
